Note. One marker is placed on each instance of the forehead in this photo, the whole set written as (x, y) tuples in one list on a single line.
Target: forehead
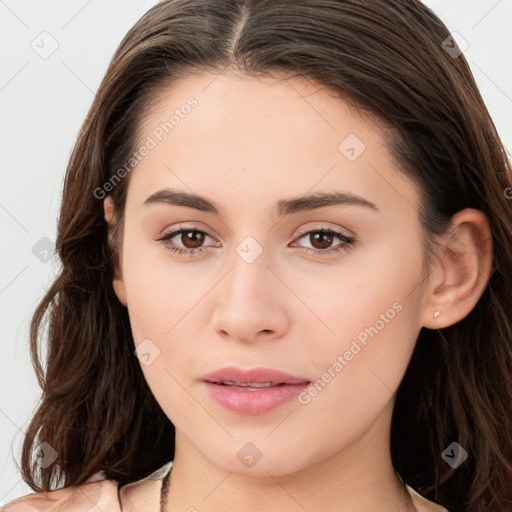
[(230, 100), (265, 133)]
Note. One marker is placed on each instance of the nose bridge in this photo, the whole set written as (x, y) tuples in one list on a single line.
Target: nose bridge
[(247, 302), (250, 271)]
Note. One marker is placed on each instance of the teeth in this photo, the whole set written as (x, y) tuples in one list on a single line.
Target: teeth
[(248, 384)]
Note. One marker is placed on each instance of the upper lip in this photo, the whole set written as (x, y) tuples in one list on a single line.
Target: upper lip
[(256, 375)]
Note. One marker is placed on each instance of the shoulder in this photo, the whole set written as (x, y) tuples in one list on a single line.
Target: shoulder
[(424, 505), (96, 494)]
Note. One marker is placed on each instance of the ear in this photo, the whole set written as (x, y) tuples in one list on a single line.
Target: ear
[(117, 283), (462, 270)]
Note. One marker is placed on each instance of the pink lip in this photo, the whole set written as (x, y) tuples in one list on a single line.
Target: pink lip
[(254, 375), (254, 400)]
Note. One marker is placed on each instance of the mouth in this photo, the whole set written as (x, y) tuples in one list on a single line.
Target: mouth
[(252, 392), (252, 386), (254, 378), (252, 398)]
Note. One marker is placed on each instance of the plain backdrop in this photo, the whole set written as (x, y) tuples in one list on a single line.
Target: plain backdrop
[(43, 102)]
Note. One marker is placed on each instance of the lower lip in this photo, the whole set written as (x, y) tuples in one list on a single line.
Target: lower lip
[(254, 402)]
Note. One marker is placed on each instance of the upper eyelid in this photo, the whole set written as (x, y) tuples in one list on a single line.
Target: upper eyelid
[(197, 227), (181, 227), (324, 227)]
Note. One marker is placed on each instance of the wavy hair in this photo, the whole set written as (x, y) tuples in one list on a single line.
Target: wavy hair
[(387, 58)]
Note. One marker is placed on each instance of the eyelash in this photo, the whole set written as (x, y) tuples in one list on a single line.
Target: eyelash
[(347, 241)]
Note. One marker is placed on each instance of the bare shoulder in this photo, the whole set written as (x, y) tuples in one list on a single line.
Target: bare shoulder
[(97, 495)]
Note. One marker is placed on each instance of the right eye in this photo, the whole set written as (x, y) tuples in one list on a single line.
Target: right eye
[(191, 239)]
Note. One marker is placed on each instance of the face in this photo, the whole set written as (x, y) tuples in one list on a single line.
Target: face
[(327, 290)]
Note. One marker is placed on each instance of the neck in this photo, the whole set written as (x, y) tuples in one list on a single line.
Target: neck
[(358, 478)]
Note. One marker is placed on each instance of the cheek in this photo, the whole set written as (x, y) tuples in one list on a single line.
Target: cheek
[(165, 308), (160, 294), (374, 286), (369, 312)]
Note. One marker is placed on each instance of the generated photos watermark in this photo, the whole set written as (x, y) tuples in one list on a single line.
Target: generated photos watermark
[(357, 345), (157, 135)]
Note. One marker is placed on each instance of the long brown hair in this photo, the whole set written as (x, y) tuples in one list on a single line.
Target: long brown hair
[(389, 58)]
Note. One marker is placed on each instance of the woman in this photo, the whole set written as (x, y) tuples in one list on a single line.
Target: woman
[(285, 241)]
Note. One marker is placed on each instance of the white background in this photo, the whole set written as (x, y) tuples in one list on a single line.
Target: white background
[(43, 102)]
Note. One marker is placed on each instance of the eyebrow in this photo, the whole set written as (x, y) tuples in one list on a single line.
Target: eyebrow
[(283, 207)]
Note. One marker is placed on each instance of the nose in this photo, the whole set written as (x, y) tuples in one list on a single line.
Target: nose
[(251, 302)]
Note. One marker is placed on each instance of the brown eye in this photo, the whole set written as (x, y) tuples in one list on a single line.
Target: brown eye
[(186, 240), (192, 239), (321, 240)]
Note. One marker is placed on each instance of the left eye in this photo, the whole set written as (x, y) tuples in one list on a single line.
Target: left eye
[(192, 240), (321, 240)]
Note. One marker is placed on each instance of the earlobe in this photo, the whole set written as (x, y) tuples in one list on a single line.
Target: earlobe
[(117, 282), (464, 265), (108, 209), (120, 291)]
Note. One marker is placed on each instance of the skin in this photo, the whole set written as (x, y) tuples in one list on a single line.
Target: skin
[(248, 144)]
